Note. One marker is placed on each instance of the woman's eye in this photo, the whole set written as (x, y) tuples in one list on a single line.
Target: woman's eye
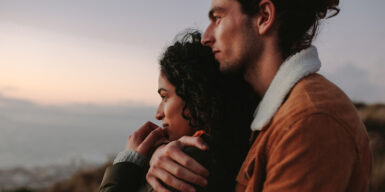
[(216, 18)]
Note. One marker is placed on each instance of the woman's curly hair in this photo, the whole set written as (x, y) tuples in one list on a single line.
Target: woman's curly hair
[(220, 105), (192, 69)]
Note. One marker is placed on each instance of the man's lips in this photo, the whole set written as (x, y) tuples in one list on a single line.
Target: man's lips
[(215, 52)]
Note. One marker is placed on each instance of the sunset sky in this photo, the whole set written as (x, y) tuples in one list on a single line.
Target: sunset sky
[(106, 52)]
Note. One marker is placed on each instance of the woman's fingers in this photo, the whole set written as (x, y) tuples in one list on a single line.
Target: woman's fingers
[(146, 129), (150, 141), (139, 135)]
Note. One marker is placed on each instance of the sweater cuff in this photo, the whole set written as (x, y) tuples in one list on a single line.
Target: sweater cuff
[(132, 157)]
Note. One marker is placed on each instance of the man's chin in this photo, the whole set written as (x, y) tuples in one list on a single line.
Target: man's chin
[(230, 69)]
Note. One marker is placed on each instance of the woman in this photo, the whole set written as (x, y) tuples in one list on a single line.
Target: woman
[(196, 99)]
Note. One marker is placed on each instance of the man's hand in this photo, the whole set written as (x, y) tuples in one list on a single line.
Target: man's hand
[(174, 168), (145, 138)]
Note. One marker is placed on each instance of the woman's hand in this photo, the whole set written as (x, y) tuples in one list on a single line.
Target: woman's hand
[(145, 138)]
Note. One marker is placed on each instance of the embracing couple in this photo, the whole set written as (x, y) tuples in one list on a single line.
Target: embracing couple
[(244, 109)]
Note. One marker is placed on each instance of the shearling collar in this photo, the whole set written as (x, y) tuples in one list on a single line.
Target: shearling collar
[(291, 71)]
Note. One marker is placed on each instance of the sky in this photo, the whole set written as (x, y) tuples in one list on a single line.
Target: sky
[(106, 52), (78, 76)]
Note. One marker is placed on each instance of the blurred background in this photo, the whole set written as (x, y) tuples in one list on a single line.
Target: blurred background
[(78, 77)]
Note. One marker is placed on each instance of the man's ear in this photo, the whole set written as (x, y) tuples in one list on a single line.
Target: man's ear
[(265, 17)]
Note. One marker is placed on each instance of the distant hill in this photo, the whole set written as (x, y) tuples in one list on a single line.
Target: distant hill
[(82, 181), (373, 117)]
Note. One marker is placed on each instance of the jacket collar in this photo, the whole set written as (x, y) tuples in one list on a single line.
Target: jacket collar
[(291, 71)]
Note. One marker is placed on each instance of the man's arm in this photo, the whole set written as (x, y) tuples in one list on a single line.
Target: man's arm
[(170, 165)]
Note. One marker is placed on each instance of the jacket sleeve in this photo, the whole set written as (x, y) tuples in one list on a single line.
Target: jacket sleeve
[(123, 177), (129, 176), (315, 154)]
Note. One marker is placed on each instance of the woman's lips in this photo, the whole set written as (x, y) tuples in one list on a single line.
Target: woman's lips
[(165, 128)]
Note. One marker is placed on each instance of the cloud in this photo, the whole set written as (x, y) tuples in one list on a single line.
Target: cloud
[(5, 89), (360, 84), (118, 21)]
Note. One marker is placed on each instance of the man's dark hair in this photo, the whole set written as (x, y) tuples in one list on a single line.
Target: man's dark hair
[(297, 20), (221, 105)]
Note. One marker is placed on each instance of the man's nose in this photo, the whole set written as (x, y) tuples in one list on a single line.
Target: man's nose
[(207, 37)]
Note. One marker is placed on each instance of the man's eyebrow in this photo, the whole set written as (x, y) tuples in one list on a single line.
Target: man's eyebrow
[(215, 9), (161, 89)]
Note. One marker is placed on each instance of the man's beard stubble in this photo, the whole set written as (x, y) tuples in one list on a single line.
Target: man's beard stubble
[(232, 68), (250, 54), (245, 62)]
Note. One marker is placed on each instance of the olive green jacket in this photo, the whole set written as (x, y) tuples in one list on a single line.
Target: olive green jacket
[(129, 177)]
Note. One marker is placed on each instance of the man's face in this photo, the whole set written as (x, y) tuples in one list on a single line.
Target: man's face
[(231, 36)]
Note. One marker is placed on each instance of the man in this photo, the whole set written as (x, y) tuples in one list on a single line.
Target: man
[(310, 137)]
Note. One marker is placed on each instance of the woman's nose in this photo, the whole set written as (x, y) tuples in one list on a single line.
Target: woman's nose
[(159, 115)]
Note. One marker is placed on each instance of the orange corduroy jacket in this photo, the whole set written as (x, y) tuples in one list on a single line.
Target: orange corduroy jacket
[(314, 142)]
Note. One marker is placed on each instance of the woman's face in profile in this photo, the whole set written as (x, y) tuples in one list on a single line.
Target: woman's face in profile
[(170, 111)]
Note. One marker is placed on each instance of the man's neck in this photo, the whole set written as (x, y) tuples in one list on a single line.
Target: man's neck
[(262, 72)]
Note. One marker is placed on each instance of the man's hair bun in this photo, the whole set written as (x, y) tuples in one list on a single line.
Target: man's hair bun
[(324, 7), (297, 20)]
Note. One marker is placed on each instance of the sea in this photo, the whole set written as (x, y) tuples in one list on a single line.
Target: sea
[(33, 135)]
